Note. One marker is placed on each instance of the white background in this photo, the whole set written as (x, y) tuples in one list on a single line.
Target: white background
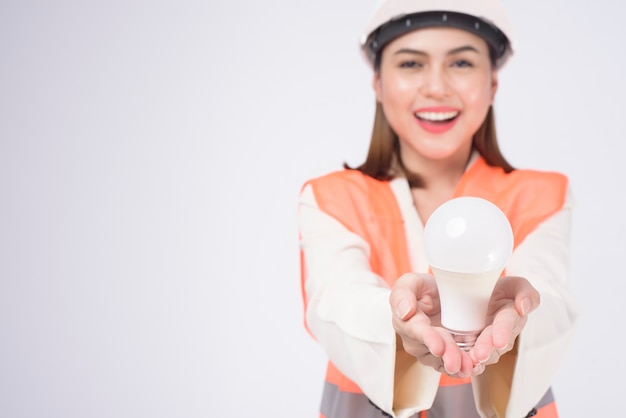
[(151, 153)]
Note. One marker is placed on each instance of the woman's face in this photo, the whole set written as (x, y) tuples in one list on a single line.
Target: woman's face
[(435, 86)]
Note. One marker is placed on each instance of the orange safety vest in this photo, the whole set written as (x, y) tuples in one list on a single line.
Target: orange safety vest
[(368, 207)]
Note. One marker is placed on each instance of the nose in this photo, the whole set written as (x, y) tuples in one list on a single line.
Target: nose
[(434, 83)]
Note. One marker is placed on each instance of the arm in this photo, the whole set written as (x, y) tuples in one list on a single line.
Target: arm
[(521, 376), (348, 308)]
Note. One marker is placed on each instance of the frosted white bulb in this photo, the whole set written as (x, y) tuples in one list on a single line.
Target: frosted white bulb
[(468, 241)]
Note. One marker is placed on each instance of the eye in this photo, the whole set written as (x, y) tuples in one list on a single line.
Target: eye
[(410, 64), (462, 63)]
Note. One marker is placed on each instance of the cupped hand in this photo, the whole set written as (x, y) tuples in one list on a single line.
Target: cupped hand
[(513, 298), (416, 311)]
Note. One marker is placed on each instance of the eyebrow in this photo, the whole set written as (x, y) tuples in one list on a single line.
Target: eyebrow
[(451, 52)]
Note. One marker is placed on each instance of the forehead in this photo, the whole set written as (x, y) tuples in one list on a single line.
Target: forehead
[(438, 39)]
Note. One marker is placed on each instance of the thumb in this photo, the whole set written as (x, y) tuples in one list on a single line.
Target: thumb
[(405, 309), (402, 298), (525, 295), (525, 303)]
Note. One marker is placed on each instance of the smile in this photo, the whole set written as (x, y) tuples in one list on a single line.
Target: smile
[(437, 116), (437, 121)]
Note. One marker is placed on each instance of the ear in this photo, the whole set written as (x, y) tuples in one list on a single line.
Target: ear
[(494, 85), (377, 86)]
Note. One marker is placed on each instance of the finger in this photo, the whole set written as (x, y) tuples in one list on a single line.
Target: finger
[(405, 308), (478, 369), (418, 336), (483, 347), (504, 328), (434, 341), (461, 366), (467, 365), (526, 303), (452, 356), (526, 297), (453, 362), (408, 292), (403, 298), (421, 332)]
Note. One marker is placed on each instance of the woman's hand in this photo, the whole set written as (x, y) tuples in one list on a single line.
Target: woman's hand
[(414, 301), (513, 298)]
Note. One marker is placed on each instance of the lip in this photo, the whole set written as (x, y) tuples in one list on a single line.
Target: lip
[(437, 109), (436, 127)]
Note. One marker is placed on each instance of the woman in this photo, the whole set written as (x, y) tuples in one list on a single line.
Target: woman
[(369, 298)]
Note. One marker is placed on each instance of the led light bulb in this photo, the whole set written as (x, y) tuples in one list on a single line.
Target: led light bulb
[(468, 241)]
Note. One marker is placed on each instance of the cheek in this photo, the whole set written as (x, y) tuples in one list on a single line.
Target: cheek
[(478, 94), (397, 90)]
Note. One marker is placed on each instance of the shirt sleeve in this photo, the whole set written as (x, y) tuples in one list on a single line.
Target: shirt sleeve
[(348, 309), (543, 259)]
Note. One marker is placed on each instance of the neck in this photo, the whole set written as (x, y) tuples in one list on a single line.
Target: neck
[(435, 174)]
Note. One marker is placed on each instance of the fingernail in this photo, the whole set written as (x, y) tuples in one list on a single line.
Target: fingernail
[(478, 369), (525, 306), (403, 309)]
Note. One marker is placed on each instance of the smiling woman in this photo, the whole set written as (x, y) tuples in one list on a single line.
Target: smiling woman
[(370, 300), (435, 87)]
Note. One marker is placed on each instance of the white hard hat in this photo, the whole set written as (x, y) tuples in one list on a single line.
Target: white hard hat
[(485, 18)]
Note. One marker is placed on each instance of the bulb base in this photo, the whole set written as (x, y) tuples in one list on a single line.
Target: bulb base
[(465, 340)]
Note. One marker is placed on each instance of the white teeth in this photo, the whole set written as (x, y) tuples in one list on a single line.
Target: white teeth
[(436, 116)]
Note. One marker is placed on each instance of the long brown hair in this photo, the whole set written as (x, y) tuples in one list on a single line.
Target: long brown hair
[(384, 159)]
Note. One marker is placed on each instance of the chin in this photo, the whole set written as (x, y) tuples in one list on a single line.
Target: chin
[(443, 155)]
